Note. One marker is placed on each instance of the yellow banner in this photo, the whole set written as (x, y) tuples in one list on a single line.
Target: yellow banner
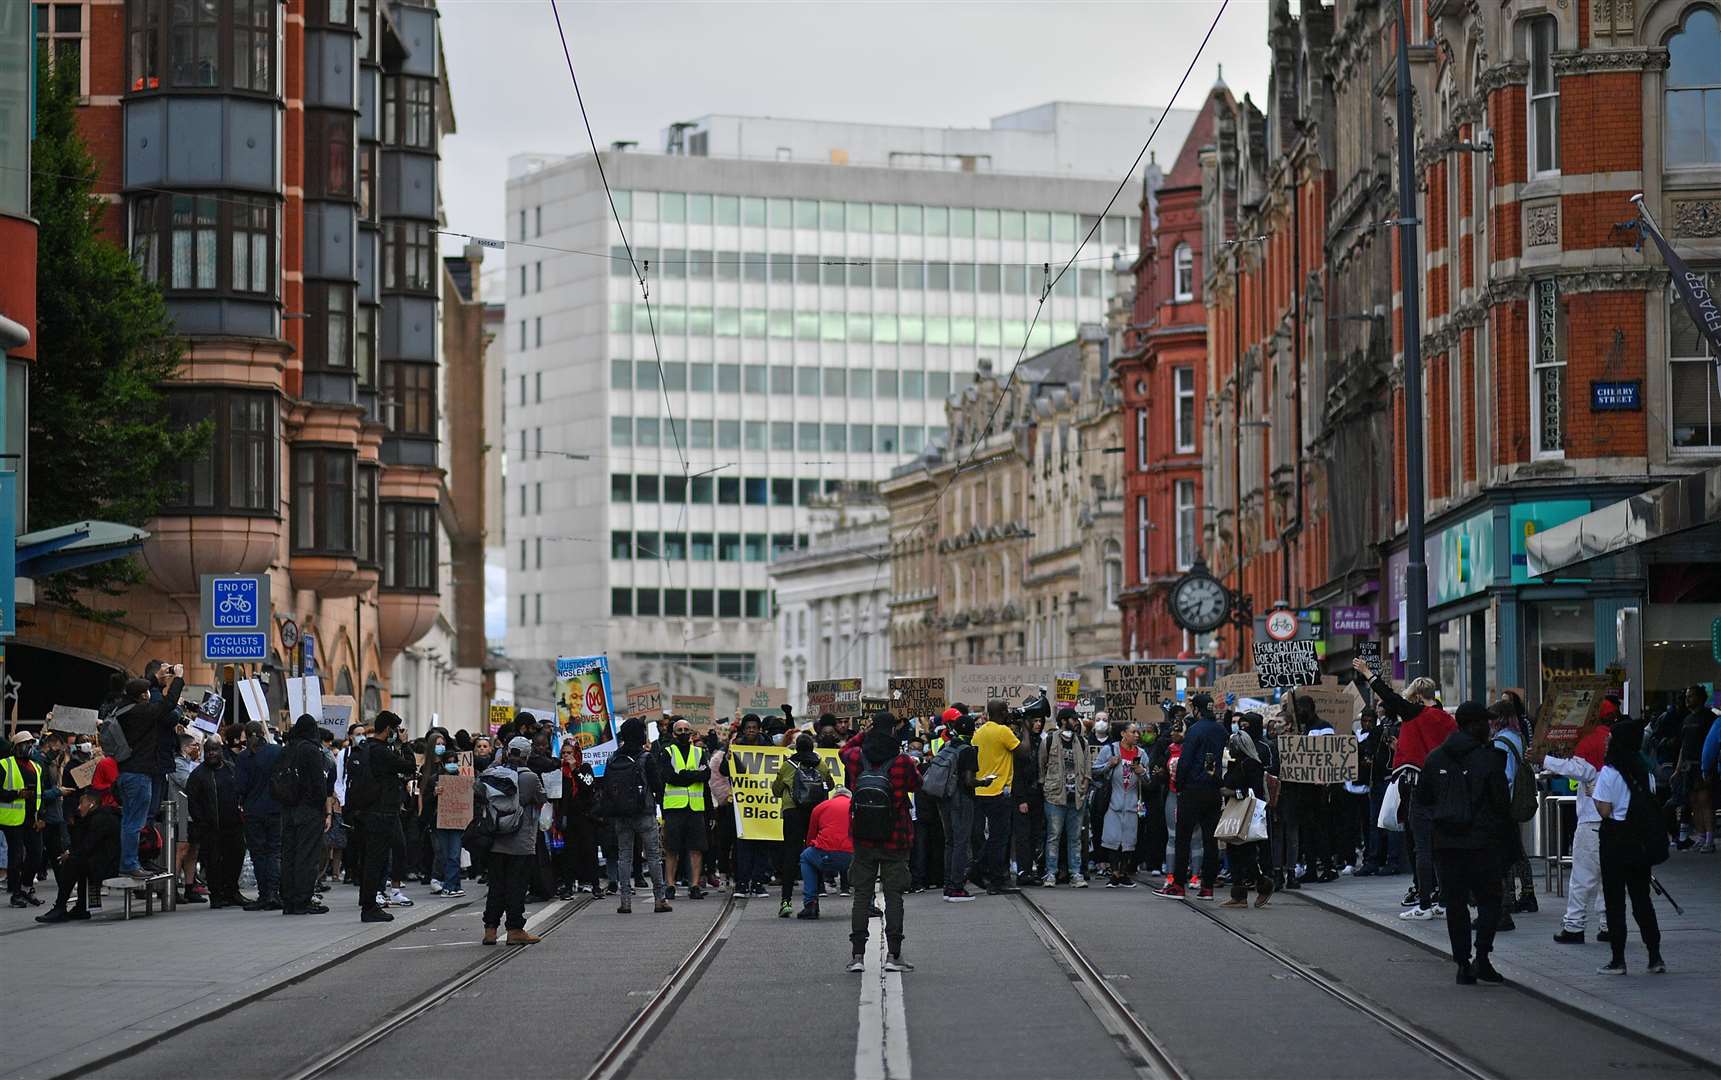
[(758, 813)]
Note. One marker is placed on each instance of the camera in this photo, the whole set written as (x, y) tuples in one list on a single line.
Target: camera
[(1033, 708)]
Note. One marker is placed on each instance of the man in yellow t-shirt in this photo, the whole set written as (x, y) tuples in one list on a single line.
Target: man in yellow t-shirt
[(996, 742)]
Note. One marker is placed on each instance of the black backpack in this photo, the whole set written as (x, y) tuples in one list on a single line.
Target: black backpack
[(939, 780), (1645, 829), (624, 792), (872, 809), (809, 786), (362, 787), (1454, 798), (285, 783)]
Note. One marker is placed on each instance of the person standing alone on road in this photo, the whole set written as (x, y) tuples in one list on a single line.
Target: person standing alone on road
[(1463, 792), (883, 832)]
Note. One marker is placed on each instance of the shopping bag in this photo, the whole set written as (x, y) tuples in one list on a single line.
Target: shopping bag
[(1234, 819), (1388, 819), (1257, 823)]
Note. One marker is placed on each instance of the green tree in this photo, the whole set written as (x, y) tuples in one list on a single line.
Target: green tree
[(100, 446)]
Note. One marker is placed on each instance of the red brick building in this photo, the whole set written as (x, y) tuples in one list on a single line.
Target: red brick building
[(1162, 373), (1558, 376)]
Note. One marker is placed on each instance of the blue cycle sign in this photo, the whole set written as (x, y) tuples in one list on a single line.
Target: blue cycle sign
[(235, 617)]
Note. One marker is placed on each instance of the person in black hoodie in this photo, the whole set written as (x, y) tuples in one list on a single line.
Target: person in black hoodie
[(1198, 803), (387, 769), (304, 818), (212, 796), (1464, 786), (94, 856)]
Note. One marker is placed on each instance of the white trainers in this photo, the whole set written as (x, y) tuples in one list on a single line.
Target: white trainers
[(398, 896), (1050, 881), (1078, 882), (1418, 913), (1438, 911)]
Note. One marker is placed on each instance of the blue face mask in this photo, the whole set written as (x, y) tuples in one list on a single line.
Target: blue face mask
[(441, 749)]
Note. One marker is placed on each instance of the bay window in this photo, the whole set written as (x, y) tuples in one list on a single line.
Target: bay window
[(366, 512), (409, 397), (207, 242), (323, 500), (364, 345), (329, 340), (204, 44), (330, 157), (409, 546), (235, 471), (409, 112), (407, 255)]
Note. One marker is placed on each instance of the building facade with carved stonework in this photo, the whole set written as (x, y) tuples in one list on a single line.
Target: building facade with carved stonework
[(1559, 373)]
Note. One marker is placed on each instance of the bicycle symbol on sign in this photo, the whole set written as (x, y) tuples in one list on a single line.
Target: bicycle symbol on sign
[(234, 604)]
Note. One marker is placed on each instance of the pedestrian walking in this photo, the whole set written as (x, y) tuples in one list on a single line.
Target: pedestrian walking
[(1463, 793), (883, 832)]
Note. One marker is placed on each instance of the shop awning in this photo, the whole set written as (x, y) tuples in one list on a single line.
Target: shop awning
[(1680, 521), (82, 543)]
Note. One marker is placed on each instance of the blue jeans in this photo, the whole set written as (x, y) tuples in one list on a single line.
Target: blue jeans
[(135, 792), (815, 864), (445, 844), (1064, 821)]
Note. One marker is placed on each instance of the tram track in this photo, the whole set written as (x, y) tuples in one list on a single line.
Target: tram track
[(619, 1056), (430, 999)]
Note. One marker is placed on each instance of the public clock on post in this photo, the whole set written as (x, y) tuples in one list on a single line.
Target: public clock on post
[(1199, 601)]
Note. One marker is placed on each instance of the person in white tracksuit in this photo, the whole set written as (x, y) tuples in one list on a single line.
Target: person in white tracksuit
[(1583, 890)]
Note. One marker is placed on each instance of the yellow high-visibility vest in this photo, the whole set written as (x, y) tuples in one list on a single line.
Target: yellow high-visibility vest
[(12, 779), (691, 796)]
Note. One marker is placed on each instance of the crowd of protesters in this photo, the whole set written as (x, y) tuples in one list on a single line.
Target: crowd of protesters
[(997, 797)]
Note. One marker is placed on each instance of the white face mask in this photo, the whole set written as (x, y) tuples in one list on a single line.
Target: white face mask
[(85, 748)]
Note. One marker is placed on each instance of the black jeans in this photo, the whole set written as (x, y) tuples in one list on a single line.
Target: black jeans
[(509, 876), (788, 853), (1249, 866), (956, 814), (1618, 879), (1197, 807), (301, 855), (263, 838), (1029, 833), (20, 870), (74, 873), (890, 869), (223, 859), (1468, 874), (381, 832), (995, 814)]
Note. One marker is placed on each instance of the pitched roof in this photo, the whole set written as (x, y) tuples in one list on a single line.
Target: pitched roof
[(1187, 171)]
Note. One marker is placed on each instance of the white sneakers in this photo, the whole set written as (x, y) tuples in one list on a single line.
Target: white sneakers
[(1050, 881), (1418, 913), (1078, 882), (398, 895)]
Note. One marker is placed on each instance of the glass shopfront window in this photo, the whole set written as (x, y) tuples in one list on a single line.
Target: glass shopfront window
[(1565, 639)]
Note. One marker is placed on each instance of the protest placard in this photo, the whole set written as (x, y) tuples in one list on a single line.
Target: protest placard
[(1069, 689), (1132, 689), (697, 709), (207, 718), (872, 706), (83, 774), (918, 697), (1368, 651), (758, 813), (583, 699), (645, 702), (499, 715), (1318, 759), (465, 762), (256, 705), (976, 684), (454, 801), (1240, 684), (839, 697), (552, 782), (1570, 703), (1332, 705), (73, 720), (1285, 664), (761, 700), (337, 714)]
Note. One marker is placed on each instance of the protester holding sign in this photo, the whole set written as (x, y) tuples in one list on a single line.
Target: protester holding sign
[(1423, 726)]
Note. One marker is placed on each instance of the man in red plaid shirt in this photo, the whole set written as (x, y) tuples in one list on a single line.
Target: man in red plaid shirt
[(878, 751)]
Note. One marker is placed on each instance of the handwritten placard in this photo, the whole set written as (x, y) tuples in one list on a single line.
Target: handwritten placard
[(976, 684), (839, 697), (761, 700), (918, 697), (1285, 664), (454, 802), (1318, 759), (1133, 689), (696, 709), (1571, 703)]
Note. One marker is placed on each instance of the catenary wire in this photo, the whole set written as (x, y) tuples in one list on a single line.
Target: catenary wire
[(1050, 283)]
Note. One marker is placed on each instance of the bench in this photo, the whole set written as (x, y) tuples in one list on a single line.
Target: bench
[(130, 888)]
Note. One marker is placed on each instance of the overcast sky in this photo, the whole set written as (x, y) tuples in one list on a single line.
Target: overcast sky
[(645, 65)]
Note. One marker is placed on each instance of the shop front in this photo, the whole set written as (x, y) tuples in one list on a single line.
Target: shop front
[(1492, 625), (1666, 545)]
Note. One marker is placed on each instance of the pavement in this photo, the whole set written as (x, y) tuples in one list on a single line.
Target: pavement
[(130, 982), (1676, 1010)]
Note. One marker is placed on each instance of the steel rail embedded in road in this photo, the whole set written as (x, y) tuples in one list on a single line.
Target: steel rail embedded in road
[(427, 1001), (618, 1057), (1149, 1056), (1403, 1029)]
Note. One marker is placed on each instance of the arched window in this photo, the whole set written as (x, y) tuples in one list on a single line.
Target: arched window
[(1693, 95), (1183, 268)]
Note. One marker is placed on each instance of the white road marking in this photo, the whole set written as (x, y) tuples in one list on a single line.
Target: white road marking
[(881, 1044), (438, 945)]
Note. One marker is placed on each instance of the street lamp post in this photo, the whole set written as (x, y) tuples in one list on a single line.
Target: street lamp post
[(1414, 626)]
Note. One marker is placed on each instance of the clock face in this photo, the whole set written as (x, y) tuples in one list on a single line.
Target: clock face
[(1200, 603)]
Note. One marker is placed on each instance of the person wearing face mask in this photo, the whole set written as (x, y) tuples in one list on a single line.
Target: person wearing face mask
[(752, 857), (1066, 770), (444, 843), (375, 785), (212, 801), (685, 771)]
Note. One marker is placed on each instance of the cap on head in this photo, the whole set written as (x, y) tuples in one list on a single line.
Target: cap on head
[(519, 744)]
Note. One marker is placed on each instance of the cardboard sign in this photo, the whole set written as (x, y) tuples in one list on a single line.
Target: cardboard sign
[(1332, 705), (839, 697), (1570, 704), (454, 802), (83, 774), (921, 698), (1240, 685), (1318, 759), (1285, 664), (337, 715), (761, 700), (499, 715), (645, 702), (464, 762), (872, 706), (1069, 690), (1132, 690), (1368, 650), (976, 684), (72, 720), (696, 709)]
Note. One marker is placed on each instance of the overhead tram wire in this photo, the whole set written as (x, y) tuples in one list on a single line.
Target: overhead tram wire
[(1050, 283), (638, 273)]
